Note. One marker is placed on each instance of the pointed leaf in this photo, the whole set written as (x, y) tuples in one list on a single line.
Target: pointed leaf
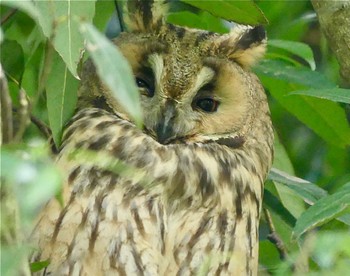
[(326, 118), (244, 12), (202, 20), (297, 48), (323, 210), (60, 21), (114, 70), (332, 94), (307, 190), (25, 6), (61, 92)]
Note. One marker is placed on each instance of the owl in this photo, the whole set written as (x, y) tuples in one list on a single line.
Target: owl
[(182, 195)]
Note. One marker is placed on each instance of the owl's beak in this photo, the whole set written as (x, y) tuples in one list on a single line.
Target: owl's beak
[(164, 128)]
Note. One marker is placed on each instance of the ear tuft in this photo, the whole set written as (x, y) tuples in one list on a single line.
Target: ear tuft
[(250, 47), (144, 15), (251, 37), (244, 44)]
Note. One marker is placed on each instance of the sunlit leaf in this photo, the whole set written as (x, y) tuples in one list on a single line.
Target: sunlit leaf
[(60, 21), (61, 92), (333, 94), (244, 12), (324, 210), (114, 70), (297, 48)]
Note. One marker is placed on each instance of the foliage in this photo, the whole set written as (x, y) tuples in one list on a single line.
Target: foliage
[(41, 52)]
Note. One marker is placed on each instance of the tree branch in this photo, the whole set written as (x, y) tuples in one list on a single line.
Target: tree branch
[(6, 110), (334, 18), (273, 236), (23, 115)]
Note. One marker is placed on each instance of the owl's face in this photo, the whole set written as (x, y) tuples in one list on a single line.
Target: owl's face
[(194, 85)]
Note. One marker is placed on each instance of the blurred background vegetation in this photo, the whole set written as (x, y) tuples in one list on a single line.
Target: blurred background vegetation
[(312, 132)]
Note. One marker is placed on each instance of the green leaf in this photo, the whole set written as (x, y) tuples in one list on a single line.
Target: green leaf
[(289, 198), (297, 48), (61, 92), (26, 6), (323, 210), (114, 70), (202, 20), (1, 36), (244, 12), (272, 203), (12, 59), (60, 21), (37, 266), (325, 118), (299, 75), (333, 94), (307, 190), (29, 179)]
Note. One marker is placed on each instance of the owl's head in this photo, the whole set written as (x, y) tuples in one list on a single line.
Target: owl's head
[(194, 85)]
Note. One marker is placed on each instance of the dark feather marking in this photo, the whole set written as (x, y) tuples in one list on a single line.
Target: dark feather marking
[(112, 182), (202, 37), (73, 175), (222, 228), (113, 257), (222, 267), (104, 125), (205, 182), (162, 229), (232, 235), (180, 32), (231, 142), (252, 36), (60, 218), (100, 143), (225, 171), (118, 148), (146, 8), (96, 113), (137, 260), (238, 203), (138, 221), (100, 216), (94, 178), (249, 229), (204, 224)]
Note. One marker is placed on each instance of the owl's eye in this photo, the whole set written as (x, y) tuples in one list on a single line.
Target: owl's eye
[(146, 88), (207, 104)]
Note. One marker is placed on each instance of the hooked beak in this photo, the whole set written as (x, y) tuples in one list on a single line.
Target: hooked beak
[(164, 129)]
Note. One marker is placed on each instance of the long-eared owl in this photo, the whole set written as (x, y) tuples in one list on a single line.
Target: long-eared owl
[(182, 195)]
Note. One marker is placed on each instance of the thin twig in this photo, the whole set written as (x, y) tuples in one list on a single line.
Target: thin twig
[(6, 110), (44, 129), (8, 15), (23, 115), (274, 237)]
